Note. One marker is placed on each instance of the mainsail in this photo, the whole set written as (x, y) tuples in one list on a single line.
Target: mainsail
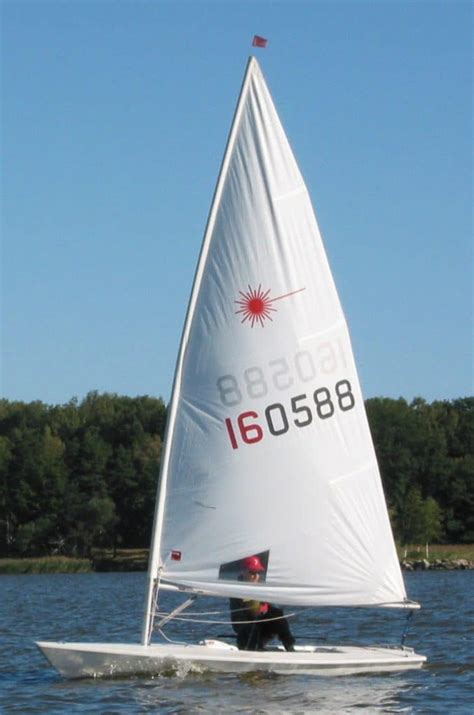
[(268, 449)]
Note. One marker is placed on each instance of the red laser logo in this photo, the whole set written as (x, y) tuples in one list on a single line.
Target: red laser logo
[(256, 305)]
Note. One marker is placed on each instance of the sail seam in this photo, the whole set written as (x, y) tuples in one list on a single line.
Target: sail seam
[(294, 192)]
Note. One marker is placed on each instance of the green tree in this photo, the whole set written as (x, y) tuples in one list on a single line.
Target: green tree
[(410, 518), (432, 523), (94, 524), (6, 506)]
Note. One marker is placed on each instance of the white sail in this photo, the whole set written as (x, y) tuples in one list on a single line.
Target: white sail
[(268, 448)]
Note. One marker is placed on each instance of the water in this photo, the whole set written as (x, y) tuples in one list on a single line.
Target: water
[(108, 607)]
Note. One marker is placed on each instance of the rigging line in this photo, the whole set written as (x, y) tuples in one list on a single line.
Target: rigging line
[(405, 630), (170, 640), (162, 614), (200, 613), (171, 616), (186, 619)]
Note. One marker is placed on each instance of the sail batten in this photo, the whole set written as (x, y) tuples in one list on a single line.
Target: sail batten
[(268, 448)]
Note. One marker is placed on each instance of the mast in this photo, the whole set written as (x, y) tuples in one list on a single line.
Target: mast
[(153, 567)]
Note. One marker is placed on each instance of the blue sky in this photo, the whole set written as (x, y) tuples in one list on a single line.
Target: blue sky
[(115, 118)]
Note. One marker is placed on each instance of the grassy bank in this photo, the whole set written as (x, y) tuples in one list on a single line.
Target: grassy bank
[(45, 564), (441, 552), (101, 560)]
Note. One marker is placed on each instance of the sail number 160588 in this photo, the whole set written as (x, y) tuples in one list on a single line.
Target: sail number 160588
[(323, 405)]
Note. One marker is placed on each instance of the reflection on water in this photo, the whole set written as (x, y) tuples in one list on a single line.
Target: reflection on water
[(108, 607), (271, 694)]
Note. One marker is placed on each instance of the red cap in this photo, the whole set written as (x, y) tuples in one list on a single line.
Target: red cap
[(253, 564)]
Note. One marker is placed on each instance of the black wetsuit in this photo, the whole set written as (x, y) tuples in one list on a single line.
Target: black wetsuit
[(260, 630)]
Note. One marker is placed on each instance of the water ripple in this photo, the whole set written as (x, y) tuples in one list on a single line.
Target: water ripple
[(108, 607)]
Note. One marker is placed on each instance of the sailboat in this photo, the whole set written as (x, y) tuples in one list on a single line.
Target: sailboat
[(268, 451)]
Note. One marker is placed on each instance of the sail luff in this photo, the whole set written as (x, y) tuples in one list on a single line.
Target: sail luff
[(163, 477)]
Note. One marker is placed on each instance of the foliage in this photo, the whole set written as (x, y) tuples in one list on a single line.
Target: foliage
[(83, 475), (78, 476), (45, 564), (426, 457)]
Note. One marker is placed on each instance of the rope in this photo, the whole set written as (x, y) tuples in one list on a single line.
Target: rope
[(202, 613), (405, 630), (170, 640), (188, 619)]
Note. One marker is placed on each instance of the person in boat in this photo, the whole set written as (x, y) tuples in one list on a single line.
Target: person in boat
[(256, 623)]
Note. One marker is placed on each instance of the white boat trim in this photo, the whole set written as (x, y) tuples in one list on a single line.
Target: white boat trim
[(92, 660)]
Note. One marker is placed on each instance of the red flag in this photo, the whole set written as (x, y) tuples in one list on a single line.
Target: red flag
[(259, 41)]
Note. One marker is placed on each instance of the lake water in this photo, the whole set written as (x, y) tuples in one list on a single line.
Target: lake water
[(109, 607)]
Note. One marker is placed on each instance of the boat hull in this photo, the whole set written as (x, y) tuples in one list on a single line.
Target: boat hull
[(99, 660)]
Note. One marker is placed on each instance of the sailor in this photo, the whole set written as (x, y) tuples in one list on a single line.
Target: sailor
[(255, 622)]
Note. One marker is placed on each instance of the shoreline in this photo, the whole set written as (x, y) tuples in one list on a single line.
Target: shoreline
[(437, 565), (136, 560)]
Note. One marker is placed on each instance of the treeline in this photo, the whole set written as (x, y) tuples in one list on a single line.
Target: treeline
[(84, 475), (426, 457), (80, 475)]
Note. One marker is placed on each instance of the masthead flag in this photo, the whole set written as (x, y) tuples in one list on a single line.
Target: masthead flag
[(259, 41)]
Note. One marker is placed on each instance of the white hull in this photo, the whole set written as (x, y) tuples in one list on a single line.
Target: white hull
[(86, 660)]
